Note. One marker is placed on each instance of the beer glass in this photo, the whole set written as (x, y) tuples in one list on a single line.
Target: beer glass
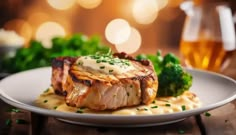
[(208, 37)]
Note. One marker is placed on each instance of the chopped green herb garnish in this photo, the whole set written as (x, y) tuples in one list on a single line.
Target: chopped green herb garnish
[(127, 93), (110, 71), (55, 107), (181, 131), (207, 114), (127, 63), (8, 122), (98, 61), (141, 109), (108, 58), (14, 110), (80, 63), (183, 107), (154, 102), (45, 101), (111, 62), (21, 121), (168, 105), (79, 111), (46, 90), (131, 86), (154, 107), (102, 67)]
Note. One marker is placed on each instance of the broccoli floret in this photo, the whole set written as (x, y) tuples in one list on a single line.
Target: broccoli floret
[(173, 80), (170, 58)]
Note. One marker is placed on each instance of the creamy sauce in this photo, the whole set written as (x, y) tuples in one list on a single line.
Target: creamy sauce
[(162, 105), (106, 65)]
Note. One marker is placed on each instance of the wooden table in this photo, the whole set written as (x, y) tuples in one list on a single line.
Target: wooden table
[(221, 122)]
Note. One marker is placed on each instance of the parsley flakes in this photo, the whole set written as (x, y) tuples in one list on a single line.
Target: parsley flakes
[(168, 105), (207, 114)]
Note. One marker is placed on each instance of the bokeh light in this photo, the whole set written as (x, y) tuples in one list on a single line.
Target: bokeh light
[(47, 31), (61, 4), (117, 31), (89, 4), (132, 44), (145, 11), (162, 3), (22, 27)]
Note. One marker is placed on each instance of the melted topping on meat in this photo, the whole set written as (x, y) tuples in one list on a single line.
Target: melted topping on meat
[(106, 64)]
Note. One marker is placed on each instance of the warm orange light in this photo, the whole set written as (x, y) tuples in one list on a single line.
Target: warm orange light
[(162, 3), (22, 27), (145, 11), (89, 4), (37, 18), (61, 4), (132, 44), (117, 31), (175, 3), (47, 31)]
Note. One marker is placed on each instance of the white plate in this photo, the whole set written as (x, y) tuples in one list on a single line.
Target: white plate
[(21, 90)]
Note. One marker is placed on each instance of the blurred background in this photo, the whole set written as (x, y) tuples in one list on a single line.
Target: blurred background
[(142, 26), (158, 22)]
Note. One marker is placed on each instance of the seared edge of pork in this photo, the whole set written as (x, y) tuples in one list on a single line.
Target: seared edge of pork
[(60, 68), (92, 89)]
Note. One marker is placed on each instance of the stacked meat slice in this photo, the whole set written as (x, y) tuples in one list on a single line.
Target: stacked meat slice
[(85, 87)]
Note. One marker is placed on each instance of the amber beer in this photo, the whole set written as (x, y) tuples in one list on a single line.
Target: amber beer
[(205, 54)]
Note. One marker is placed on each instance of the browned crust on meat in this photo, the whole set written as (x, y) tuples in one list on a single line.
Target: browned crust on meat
[(124, 55), (60, 67), (85, 87), (94, 81)]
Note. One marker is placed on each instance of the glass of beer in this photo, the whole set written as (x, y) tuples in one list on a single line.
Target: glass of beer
[(208, 37)]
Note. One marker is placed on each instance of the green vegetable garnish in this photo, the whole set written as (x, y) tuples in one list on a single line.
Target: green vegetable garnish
[(8, 122), (154, 107), (142, 109), (14, 110), (168, 105), (173, 79), (45, 101), (38, 56), (79, 111), (183, 107), (21, 121), (108, 58), (181, 131), (102, 67), (46, 90), (207, 114)]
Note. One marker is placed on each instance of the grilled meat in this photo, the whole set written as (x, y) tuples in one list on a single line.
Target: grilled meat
[(97, 86), (60, 68)]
